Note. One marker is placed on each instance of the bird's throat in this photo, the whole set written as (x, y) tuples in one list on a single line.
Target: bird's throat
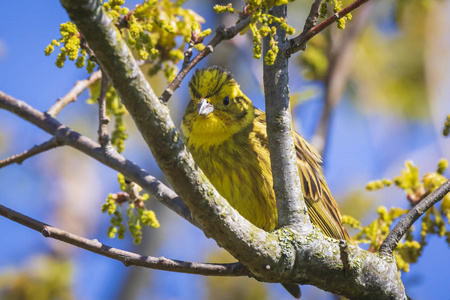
[(208, 131)]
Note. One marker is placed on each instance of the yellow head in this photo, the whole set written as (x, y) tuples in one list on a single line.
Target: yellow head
[(218, 108)]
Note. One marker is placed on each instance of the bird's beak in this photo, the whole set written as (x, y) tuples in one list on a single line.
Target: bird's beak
[(204, 108)]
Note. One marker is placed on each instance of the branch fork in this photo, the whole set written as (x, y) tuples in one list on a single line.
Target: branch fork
[(317, 258)]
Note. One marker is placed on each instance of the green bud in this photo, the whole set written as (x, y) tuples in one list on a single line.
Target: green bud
[(442, 166), (206, 32), (112, 232), (49, 49), (121, 232), (90, 66), (60, 60), (381, 210), (323, 10), (341, 23)]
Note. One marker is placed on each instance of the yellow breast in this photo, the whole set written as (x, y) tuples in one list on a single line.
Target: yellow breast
[(239, 168)]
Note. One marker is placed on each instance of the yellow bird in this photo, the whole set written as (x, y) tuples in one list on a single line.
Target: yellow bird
[(227, 137)]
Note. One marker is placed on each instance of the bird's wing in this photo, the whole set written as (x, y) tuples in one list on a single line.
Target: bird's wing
[(322, 207)]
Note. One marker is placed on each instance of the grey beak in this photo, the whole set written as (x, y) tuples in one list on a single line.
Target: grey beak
[(204, 108)]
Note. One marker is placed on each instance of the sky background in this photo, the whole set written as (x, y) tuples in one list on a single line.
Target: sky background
[(66, 189)]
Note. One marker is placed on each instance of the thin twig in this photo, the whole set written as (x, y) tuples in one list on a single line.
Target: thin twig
[(221, 34), (73, 94), (111, 157), (188, 54), (19, 158), (299, 43), (391, 241), (126, 257), (313, 15), (344, 254), (103, 119)]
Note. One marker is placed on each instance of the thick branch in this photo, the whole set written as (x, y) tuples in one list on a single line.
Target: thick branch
[(19, 158), (391, 241), (126, 257), (111, 158), (317, 258), (286, 181), (299, 43), (73, 94), (221, 34), (215, 215)]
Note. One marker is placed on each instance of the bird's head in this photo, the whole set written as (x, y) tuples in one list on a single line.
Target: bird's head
[(218, 108)]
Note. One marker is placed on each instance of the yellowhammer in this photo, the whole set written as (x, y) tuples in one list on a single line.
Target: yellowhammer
[(227, 137)]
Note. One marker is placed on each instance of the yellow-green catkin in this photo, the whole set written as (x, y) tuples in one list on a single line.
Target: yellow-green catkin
[(136, 214), (446, 130)]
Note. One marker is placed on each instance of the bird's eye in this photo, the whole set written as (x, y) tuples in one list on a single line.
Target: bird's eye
[(226, 100)]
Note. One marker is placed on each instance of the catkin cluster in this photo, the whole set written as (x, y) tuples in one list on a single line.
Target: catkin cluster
[(416, 188)]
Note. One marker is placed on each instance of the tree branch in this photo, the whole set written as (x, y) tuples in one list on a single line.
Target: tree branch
[(103, 119), (299, 43), (264, 254), (73, 94), (215, 215), (317, 259), (286, 180), (391, 241), (313, 15), (221, 34), (126, 257), (110, 157), (19, 158)]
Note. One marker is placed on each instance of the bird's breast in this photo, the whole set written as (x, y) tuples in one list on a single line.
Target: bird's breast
[(240, 171)]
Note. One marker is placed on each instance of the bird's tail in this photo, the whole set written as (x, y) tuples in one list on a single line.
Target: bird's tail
[(293, 289)]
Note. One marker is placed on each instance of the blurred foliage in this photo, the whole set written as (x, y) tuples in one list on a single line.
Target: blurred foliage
[(229, 288), (114, 109), (446, 130), (389, 67), (314, 60), (356, 204), (416, 188), (388, 72), (45, 277), (136, 213)]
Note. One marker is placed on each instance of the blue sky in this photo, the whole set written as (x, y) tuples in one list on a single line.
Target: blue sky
[(363, 147)]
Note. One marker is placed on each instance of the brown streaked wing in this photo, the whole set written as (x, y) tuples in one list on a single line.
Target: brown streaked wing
[(322, 207)]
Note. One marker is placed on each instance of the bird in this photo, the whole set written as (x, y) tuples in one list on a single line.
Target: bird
[(226, 135)]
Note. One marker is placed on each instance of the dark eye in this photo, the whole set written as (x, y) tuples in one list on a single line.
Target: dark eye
[(226, 100)]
